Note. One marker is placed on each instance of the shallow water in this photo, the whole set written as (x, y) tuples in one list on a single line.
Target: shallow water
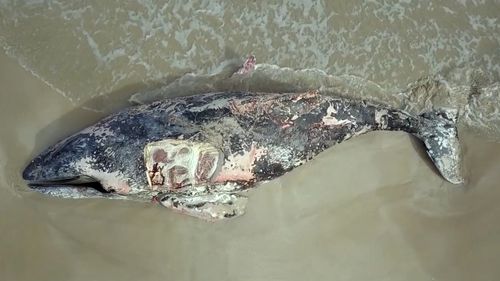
[(371, 208)]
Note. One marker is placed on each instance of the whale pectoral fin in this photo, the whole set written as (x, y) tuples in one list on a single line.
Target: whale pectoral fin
[(207, 206)]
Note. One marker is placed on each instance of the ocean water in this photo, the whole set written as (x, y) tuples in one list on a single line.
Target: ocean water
[(371, 208)]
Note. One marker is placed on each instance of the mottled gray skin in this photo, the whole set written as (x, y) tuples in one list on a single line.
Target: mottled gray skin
[(270, 134)]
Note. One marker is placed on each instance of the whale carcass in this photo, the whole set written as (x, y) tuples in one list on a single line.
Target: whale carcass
[(197, 154)]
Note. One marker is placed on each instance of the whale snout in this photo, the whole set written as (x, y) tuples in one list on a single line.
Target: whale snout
[(58, 162), (32, 171)]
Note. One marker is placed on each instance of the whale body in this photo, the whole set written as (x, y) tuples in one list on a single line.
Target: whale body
[(197, 154)]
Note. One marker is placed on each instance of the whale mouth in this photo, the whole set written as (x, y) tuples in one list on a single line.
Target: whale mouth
[(74, 180), (82, 182)]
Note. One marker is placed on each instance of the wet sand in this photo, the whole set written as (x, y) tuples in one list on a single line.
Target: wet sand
[(372, 208)]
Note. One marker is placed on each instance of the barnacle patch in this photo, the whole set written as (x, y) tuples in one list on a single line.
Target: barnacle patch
[(173, 164)]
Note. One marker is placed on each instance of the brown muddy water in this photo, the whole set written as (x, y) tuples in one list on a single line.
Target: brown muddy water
[(372, 208)]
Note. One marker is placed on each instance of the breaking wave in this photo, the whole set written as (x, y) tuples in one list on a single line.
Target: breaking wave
[(93, 50)]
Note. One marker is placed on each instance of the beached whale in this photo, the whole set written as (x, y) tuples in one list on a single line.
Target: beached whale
[(197, 154)]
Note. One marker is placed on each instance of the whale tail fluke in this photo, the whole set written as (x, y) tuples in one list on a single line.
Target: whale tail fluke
[(440, 136)]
